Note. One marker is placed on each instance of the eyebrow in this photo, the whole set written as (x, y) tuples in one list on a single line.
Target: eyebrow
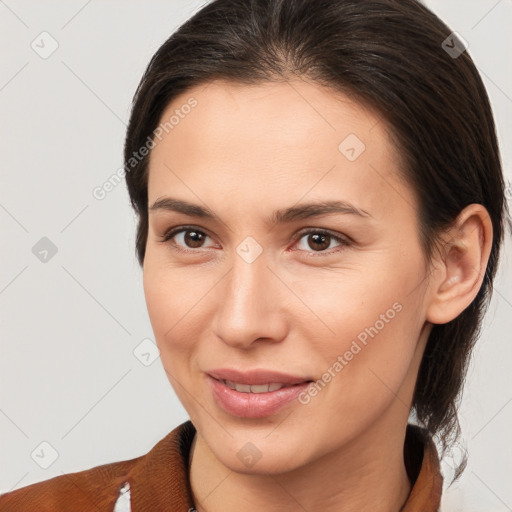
[(284, 215)]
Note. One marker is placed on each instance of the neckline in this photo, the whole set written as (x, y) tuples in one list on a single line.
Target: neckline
[(420, 458)]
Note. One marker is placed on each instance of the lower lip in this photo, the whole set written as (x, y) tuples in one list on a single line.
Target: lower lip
[(254, 405)]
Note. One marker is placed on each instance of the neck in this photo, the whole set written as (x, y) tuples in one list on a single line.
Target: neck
[(368, 474)]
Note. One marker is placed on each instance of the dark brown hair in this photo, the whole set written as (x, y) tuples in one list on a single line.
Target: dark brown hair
[(392, 55)]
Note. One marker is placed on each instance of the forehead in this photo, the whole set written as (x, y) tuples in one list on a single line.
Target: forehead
[(274, 138), (292, 111)]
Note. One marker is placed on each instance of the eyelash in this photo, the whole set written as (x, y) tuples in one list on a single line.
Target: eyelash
[(343, 240)]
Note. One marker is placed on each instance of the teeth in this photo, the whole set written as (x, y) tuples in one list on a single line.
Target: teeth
[(229, 384), (258, 388)]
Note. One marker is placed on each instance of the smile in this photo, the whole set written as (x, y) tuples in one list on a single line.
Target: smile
[(255, 400), (255, 388)]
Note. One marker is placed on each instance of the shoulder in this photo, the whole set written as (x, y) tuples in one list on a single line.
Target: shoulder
[(96, 488)]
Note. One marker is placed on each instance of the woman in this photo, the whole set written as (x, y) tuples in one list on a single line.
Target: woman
[(321, 207)]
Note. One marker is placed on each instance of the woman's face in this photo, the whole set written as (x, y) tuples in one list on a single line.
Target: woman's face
[(266, 290)]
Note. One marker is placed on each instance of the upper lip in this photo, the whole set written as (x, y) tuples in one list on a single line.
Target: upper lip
[(256, 377)]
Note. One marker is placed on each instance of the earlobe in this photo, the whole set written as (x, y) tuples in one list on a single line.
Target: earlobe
[(461, 265)]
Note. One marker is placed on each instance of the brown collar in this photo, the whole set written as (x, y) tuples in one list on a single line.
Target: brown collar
[(420, 457), (423, 468)]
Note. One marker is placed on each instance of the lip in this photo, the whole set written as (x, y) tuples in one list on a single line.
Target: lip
[(255, 405), (255, 377)]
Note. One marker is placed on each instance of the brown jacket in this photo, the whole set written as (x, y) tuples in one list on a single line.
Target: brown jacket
[(159, 480)]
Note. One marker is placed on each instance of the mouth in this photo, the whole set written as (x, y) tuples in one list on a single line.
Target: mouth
[(258, 388), (255, 394), (256, 377)]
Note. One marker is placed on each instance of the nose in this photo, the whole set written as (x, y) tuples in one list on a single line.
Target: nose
[(252, 305)]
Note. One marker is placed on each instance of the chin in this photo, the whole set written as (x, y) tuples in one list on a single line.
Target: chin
[(255, 452)]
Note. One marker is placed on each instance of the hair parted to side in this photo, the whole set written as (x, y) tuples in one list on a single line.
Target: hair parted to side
[(388, 55)]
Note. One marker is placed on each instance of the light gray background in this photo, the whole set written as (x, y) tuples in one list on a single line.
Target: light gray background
[(69, 326)]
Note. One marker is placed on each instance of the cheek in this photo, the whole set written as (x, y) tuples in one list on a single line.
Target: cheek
[(375, 318), (171, 312), (170, 299), (353, 304)]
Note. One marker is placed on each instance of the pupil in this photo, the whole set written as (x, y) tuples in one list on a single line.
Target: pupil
[(190, 237), (318, 239)]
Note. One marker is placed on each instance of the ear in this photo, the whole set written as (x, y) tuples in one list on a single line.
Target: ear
[(460, 267)]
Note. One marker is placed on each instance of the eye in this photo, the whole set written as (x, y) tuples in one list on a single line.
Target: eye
[(320, 240), (189, 237)]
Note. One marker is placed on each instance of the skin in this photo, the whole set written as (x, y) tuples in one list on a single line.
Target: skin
[(243, 152)]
